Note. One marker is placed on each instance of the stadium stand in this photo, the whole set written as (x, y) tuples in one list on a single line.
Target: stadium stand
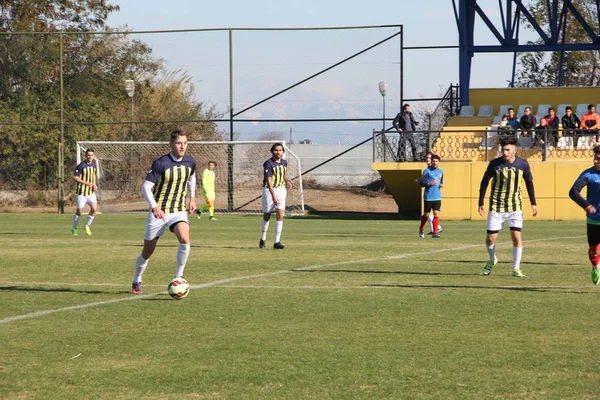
[(542, 109), (485, 111), (504, 109), (581, 109), (522, 109), (560, 111), (467, 111)]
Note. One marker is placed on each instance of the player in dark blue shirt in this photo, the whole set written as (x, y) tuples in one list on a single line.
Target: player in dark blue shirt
[(506, 203), (433, 181), (590, 178), (275, 186), (165, 189)]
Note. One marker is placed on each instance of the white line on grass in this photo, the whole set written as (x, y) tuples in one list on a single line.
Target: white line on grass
[(267, 274)]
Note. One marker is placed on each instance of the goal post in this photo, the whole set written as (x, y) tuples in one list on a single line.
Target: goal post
[(122, 168)]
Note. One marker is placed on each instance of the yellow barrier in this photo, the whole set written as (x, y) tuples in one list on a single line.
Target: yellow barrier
[(552, 181)]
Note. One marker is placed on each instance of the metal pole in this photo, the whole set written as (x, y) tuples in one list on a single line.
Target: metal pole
[(131, 130), (383, 129), (61, 147), (230, 148)]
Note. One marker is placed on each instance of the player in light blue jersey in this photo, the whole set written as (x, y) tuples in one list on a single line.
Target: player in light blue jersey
[(433, 181), (590, 178)]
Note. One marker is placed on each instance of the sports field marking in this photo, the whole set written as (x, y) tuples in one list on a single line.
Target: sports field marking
[(267, 274), (409, 286)]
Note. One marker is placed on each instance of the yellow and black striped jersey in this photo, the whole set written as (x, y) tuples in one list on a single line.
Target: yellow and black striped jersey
[(87, 173), (506, 195), (277, 170), (170, 178)]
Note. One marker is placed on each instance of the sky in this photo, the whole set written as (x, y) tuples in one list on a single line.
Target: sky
[(268, 62)]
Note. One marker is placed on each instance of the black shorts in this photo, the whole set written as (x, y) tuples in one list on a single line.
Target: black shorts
[(435, 205), (593, 235)]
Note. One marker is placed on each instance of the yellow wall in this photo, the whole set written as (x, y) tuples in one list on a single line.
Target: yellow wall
[(552, 181), (534, 96)]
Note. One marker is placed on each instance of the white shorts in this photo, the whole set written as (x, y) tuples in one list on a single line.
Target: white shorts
[(83, 200), (496, 219), (156, 227), (267, 201)]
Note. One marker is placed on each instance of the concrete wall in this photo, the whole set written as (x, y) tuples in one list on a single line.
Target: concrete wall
[(552, 181)]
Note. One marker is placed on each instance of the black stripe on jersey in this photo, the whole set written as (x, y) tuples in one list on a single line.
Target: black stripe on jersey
[(176, 199), (165, 193), (498, 184), (508, 192)]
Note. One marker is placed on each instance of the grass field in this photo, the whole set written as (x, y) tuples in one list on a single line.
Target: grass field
[(350, 309)]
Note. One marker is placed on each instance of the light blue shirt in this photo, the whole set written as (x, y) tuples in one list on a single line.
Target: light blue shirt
[(432, 192)]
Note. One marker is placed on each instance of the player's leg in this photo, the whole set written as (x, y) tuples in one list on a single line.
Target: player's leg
[(267, 207), (593, 235), (424, 217), (93, 208), (154, 229), (436, 218), (494, 225), (181, 229), (80, 203), (515, 223), (281, 194), (210, 202)]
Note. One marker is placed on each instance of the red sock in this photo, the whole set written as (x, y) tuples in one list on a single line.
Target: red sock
[(423, 222), (594, 255), (436, 224)]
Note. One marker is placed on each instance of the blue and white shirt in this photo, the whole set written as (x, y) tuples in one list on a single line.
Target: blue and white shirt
[(590, 178)]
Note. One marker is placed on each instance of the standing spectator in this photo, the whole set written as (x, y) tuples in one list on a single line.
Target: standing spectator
[(506, 202), (405, 124), (571, 124), (590, 121), (590, 179), (165, 189), (527, 125), (208, 191), (433, 181), (512, 120)]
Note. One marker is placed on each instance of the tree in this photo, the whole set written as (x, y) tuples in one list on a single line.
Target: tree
[(581, 68)]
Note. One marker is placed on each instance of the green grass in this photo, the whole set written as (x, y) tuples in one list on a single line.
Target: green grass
[(351, 309)]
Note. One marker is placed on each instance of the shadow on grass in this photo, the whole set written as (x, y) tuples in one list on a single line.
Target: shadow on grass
[(58, 290), (513, 288), (508, 262), (175, 245), (350, 271)]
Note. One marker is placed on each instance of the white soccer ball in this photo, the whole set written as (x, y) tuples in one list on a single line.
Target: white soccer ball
[(178, 288)]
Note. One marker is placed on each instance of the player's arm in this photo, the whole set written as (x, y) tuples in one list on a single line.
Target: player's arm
[(204, 179), (485, 180), (149, 197), (528, 177), (288, 183), (92, 185), (442, 182), (575, 194), (271, 190), (192, 189)]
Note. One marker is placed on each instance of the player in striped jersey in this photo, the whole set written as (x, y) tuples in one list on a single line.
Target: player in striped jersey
[(208, 191), (165, 189), (275, 186), (506, 203), (590, 179), (86, 174)]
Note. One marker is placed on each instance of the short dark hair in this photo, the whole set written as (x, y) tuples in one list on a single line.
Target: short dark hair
[(405, 106), (510, 109), (551, 109), (568, 108), (212, 162), (89, 151), (429, 153), (435, 157), (596, 149), (590, 107), (277, 144), (512, 140), (175, 133)]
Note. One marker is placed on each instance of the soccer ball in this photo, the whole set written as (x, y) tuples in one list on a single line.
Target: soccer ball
[(178, 288)]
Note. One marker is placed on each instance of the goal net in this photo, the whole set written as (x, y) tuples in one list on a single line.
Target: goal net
[(123, 167)]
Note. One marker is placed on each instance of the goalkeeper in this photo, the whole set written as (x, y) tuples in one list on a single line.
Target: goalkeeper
[(208, 191)]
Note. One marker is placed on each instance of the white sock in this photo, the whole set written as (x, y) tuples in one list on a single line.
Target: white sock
[(430, 220), (75, 221), (517, 252), (89, 221), (278, 229), (265, 228), (183, 252), (492, 251), (140, 267)]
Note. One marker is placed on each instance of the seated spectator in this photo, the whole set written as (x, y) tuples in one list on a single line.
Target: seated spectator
[(548, 128), (527, 124), (590, 122), (571, 124), (504, 128), (512, 119)]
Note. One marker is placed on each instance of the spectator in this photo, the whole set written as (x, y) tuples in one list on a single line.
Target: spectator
[(405, 124), (504, 128), (571, 124), (548, 128), (512, 119), (590, 122), (527, 124)]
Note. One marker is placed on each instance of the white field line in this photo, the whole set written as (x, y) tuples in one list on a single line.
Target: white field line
[(393, 286), (267, 274)]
